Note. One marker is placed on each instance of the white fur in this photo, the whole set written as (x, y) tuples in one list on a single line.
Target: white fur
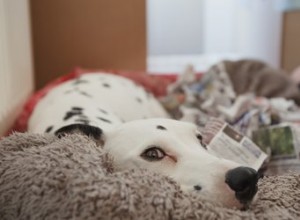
[(119, 100), (193, 164)]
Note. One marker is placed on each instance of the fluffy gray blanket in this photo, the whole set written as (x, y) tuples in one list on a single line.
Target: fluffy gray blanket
[(43, 177)]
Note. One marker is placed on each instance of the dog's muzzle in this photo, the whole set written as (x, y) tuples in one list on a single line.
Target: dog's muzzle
[(243, 181)]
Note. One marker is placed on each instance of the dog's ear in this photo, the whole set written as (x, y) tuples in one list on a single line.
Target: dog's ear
[(92, 132)]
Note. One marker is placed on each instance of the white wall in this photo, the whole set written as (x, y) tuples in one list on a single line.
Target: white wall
[(213, 30), (219, 26), (174, 27), (248, 28), (16, 69), (259, 30)]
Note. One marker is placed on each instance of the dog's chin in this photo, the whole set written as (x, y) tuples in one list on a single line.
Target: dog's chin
[(230, 202), (229, 199), (234, 203), (242, 205), (225, 198), (246, 205)]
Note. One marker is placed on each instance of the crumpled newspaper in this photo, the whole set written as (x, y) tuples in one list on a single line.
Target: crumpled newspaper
[(193, 100), (197, 101)]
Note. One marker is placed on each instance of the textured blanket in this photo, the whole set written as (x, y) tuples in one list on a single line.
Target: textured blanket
[(43, 177)]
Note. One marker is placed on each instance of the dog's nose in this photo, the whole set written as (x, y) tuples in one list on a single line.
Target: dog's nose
[(243, 180)]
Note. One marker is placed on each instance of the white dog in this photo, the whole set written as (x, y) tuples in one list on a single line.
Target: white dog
[(97, 105)]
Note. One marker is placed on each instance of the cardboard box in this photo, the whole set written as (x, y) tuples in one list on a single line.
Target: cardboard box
[(290, 54), (106, 34)]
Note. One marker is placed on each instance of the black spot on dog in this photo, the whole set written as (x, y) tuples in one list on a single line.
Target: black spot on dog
[(104, 119), (103, 111), (75, 89), (49, 129), (77, 108), (83, 117), (139, 100), (106, 85), (160, 127), (85, 94), (80, 81), (198, 187), (70, 114), (83, 121)]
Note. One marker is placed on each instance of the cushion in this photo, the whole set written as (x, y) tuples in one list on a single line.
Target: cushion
[(44, 177)]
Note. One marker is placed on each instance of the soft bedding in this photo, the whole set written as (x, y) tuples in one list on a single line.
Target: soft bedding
[(44, 177)]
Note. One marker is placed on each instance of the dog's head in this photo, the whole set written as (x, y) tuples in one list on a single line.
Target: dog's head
[(175, 149)]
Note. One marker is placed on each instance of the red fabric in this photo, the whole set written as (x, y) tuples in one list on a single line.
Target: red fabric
[(156, 84)]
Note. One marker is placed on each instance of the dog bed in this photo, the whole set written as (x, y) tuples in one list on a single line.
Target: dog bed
[(44, 177)]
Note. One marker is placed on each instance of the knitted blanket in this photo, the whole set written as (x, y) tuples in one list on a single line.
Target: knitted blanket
[(43, 177)]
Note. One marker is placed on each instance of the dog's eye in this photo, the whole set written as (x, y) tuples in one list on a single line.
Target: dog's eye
[(153, 154)]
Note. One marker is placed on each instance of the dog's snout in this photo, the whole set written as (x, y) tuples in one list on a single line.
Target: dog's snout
[(243, 180)]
